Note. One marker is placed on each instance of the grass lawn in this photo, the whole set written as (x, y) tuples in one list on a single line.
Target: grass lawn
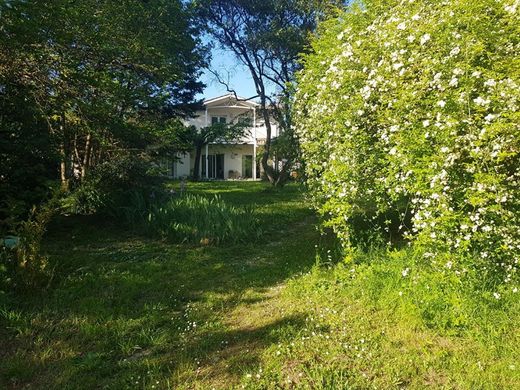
[(128, 311)]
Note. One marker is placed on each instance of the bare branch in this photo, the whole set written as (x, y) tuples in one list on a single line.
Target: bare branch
[(228, 88)]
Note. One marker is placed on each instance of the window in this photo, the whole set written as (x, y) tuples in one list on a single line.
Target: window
[(218, 119)]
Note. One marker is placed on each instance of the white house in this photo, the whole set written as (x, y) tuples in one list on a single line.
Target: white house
[(226, 160)]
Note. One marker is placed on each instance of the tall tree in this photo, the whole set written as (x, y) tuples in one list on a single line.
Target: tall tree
[(88, 78), (268, 36)]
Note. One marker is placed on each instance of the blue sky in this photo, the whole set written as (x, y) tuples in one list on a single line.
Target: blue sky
[(226, 64)]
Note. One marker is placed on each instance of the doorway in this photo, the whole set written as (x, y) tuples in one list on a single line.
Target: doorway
[(215, 166), (247, 166)]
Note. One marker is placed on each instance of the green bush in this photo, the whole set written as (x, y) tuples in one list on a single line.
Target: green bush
[(108, 185), (409, 120), (191, 218), (23, 267)]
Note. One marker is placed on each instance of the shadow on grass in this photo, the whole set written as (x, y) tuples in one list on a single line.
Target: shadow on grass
[(125, 304)]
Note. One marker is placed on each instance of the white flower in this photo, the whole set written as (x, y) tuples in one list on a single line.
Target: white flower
[(511, 8), (454, 82), (398, 66), (426, 123), (458, 71), (489, 117), (481, 102), (410, 38), (416, 17), (441, 103), (455, 51), (476, 74), (405, 272), (425, 38), (449, 264), (490, 83), (401, 26), (496, 295)]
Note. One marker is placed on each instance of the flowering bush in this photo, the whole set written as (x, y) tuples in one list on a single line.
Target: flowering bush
[(409, 119)]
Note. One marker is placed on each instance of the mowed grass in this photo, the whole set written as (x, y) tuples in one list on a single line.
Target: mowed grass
[(127, 311)]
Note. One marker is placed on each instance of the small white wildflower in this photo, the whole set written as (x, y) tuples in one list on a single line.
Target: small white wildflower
[(441, 103), (425, 38), (458, 71), (455, 51), (416, 17), (426, 123), (490, 83), (405, 272), (511, 8), (496, 295), (401, 26), (481, 101), (449, 264), (454, 82)]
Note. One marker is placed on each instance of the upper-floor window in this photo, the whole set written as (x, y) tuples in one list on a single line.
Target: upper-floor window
[(218, 119)]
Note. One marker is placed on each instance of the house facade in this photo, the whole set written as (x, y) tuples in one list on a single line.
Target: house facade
[(226, 161)]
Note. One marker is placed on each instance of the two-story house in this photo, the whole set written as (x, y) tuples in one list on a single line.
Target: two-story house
[(237, 160)]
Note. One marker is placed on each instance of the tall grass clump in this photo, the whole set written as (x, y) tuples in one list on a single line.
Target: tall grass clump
[(193, 219)]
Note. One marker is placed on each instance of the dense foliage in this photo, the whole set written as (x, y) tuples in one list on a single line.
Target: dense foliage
[(409, 118), (82, 81)]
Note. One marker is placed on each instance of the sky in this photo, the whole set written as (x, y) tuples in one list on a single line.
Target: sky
[(227, 66)]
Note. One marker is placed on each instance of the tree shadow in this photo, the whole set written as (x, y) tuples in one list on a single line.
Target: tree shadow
[(119, 294)]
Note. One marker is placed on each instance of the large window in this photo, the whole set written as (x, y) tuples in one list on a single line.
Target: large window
[(218, 119)]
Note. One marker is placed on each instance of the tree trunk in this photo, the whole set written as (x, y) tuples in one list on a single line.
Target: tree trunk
[(268, 170), (196, 168), (63, 157), (86, 157)]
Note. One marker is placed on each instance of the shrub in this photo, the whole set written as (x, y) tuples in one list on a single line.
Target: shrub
[(23, 265), (409, 120), (107, 185)]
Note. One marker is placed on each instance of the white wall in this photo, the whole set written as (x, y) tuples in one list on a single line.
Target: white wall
[(232, 152), (182, 166)]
